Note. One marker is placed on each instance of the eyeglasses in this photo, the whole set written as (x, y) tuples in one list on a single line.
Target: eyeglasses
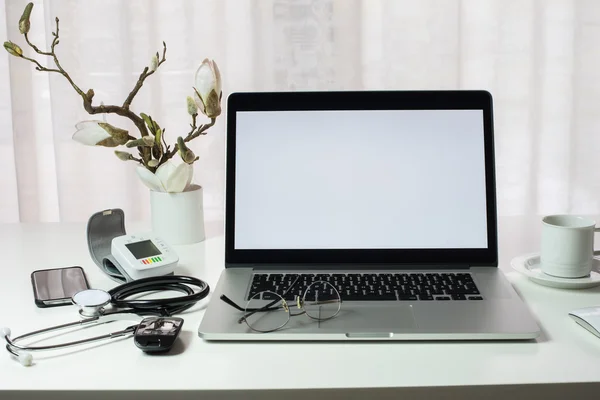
[(268, 311)]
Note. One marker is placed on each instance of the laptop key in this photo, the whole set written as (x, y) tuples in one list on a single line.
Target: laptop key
[(442, 298), (458, 297), (269, 296), (405, 297), (372, 297), (472, 290), (369, 297), (475, 298), (425, 297)]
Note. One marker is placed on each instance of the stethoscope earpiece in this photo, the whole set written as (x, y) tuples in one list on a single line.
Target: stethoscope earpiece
[(26, 359), (5, 331)]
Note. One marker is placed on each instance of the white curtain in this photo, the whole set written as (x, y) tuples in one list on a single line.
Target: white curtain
[(539, 59)]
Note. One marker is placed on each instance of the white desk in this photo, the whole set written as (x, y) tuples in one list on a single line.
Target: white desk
[(565, 354)]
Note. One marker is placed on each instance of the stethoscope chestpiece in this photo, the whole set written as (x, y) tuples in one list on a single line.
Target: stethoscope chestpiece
[(91, 302)]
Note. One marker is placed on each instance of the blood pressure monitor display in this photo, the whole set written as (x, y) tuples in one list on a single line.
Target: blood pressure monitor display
[(143, 249), (143, 255)]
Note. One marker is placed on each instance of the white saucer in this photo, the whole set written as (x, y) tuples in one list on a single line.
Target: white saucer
[(529, 265)]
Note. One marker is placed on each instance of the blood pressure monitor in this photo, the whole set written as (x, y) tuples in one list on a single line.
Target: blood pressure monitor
[(142, 256)]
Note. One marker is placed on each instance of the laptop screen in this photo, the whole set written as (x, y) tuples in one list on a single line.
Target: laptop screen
[(360, 179), (387, 178)]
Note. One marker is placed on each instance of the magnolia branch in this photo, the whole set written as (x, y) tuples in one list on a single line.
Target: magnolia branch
[(34, 47), (192, 135), (157, 148), (145, 73), (201, 131), (88, 97), (40, 67)]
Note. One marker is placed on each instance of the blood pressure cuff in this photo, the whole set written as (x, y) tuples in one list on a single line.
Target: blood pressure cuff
[(102, 227)]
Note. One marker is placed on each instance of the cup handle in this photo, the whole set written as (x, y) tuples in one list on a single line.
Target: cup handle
[(597, 252)]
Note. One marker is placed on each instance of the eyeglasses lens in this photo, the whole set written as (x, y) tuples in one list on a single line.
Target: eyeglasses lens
[(267, 321), (321, 301)]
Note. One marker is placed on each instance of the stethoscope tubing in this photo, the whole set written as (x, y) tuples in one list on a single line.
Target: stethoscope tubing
[(11, 344)]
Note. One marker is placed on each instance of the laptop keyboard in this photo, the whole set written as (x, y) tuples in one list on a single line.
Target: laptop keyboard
[(384, 286)]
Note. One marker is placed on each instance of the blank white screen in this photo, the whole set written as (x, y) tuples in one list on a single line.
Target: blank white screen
[(397, 179)]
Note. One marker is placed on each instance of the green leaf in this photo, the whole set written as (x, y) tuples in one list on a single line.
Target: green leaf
[(148, 122), (156, 127)]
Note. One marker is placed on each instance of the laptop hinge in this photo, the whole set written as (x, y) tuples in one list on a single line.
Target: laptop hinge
[(347, 267)]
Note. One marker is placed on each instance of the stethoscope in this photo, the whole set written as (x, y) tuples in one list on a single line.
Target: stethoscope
[(99, 307)]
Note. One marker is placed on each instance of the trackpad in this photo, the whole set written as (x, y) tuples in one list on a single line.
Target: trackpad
[(367, 319)]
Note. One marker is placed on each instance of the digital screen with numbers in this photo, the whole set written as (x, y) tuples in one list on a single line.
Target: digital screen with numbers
[(143, 249)]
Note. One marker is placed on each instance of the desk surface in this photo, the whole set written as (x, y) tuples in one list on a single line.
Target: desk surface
[(565, 353)]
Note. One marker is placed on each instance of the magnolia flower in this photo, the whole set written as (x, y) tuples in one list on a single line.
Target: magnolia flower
[(98, 133), (168, 177), (208, 89)]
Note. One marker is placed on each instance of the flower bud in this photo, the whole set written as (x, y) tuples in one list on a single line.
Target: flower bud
[(24, 23), (13, 49), (154, 63), (145, 141), (187, 155), (123, 155), (192, 108)]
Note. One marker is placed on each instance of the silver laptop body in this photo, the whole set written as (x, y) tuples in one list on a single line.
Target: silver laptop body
[(385, 194)]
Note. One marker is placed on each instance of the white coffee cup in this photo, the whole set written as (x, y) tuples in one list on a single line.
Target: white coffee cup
[(567, 245)]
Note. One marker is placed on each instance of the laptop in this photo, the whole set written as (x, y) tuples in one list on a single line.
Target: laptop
[(362, 215)]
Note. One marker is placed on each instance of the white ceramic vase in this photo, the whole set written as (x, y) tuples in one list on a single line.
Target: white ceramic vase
[(178, 217)]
